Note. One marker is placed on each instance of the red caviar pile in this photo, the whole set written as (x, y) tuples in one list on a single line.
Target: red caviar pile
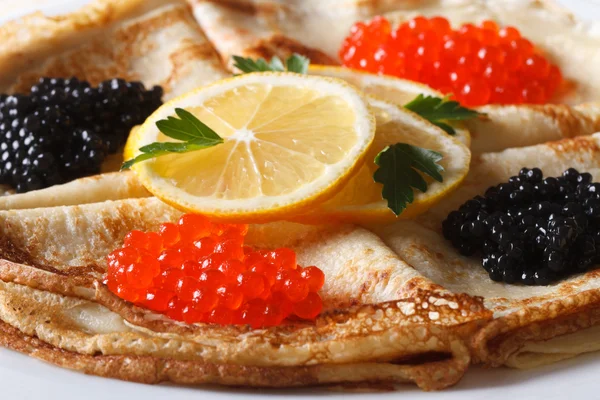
[(477, 64), (198, 271)]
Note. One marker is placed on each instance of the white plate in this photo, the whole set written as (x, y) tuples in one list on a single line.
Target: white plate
[(22, 377)]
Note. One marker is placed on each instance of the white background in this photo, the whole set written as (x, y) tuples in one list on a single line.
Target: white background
[(24, 378)]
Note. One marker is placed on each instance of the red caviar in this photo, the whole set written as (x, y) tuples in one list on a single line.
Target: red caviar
[(479, 65), (199, 271)]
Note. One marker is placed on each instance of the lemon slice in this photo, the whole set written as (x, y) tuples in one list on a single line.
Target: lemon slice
[(395, 90), (290, 141), (360, 199), (130, 150)]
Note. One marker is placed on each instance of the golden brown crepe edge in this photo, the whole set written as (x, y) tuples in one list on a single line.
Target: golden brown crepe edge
[(274, 44), (505, 336), (461, 313), (42, 35), (428, 370), (144, 369)]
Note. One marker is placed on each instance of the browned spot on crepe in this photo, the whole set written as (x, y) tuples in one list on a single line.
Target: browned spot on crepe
[(283, 47), (578, 144)]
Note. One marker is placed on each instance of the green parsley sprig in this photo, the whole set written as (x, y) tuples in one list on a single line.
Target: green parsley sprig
[(295, 63), (192, 134), (397, 172), (439, 111)]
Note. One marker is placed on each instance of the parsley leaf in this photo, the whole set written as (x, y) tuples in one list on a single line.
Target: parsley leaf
[(437, 110), (192, 133), (398, 165), (295, 63), (276, 64), (188, 127), (247, 65)]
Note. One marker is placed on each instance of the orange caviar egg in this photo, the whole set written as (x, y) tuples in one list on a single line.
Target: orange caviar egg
[(230, 297), (198, 271), (477, 64), (314, 278), (157, 299), (232, 268), (221, 316), (309, 307), (251, 284), (169, 234), (267, 270)]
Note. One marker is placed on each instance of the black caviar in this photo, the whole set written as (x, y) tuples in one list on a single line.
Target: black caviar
[(531, 230), (64, 128)]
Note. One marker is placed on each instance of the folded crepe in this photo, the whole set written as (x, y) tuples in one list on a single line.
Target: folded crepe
[(92, 189), (239, 27), (156, 42), (262, 29), (153, 41), (384, 323), (531, 325)]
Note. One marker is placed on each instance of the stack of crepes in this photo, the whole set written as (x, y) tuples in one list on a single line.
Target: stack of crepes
[(401, 305)]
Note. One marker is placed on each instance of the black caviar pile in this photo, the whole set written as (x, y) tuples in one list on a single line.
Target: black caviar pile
[(65, 128), (531, 230)]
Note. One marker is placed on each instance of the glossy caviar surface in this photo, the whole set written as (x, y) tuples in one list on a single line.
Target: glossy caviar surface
[(531, 230), (198, 271), (478, 64), (64, 128)]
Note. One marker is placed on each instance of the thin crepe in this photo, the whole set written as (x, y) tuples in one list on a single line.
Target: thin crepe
[(385, 323), (254, 29), (156, 42), (92, 189), (524, 317), (237, 26)]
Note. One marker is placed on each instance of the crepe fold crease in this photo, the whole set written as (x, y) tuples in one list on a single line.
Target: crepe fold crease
[(53, 306)]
